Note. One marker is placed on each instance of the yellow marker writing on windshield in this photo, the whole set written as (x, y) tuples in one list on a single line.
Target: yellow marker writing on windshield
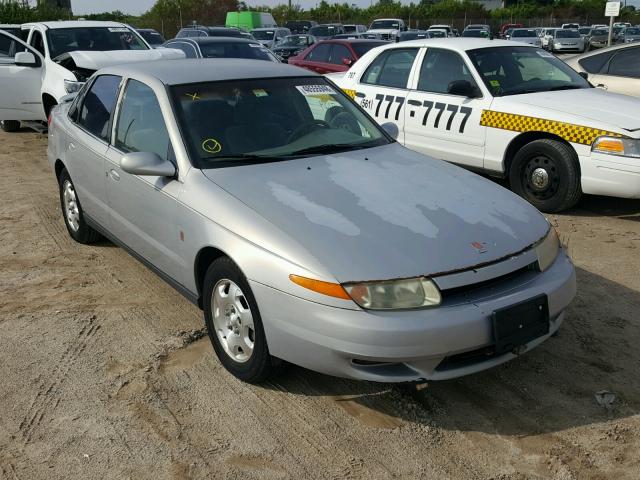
[(211, 145)]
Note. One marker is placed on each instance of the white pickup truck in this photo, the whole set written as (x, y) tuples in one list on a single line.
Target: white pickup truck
[(56, 59)]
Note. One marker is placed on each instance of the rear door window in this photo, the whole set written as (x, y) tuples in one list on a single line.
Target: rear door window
[(320, 53), (98, 105), (391, 68), (594, 63), (339, 53), (626, 63)]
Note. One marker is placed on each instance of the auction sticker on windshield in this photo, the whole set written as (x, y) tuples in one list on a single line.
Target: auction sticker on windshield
[(313, 90)]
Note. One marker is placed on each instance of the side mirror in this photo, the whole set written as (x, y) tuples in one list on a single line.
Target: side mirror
[(463, 88), (25, 59), (347, 62), (391, 129), (147, 163)]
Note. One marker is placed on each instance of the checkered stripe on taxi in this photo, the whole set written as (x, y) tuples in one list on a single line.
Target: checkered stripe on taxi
[(521, 123)]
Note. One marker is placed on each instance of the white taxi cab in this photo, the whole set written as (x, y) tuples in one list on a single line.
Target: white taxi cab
[(506, 109)]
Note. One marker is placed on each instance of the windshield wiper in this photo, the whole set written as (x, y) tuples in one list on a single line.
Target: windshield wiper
[(565, 87), (245, 157), (329, 148)]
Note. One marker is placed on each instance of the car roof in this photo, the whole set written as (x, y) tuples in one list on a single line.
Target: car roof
[(76, 24), (185, 71), (205, 40), (459, 43)]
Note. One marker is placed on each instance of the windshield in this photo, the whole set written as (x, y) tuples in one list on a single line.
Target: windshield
[(152, 38), (550, 31), (323, 31), (437, 33), (295, 41), (350, 29), (524, 34), (234, 50), (475, 33), (261, 120), (63, 40), (567, 34), (632, 31), (584, 30), (517, 70), (263, 34), (385, 24), (600, 32)]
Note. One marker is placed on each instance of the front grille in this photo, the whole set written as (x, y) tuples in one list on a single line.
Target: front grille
[(491, 283)]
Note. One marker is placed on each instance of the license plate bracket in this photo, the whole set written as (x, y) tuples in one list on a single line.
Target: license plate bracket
[(518, 324)]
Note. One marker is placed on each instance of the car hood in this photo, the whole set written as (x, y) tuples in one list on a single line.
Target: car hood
[(97, 60), (591, 106), (386, 212)]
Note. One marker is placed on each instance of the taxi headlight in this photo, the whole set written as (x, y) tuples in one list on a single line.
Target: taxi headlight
[(407, 293), (624, 147), (547, 249)]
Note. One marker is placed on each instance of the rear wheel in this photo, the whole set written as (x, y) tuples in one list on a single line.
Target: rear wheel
[(545, 172), (72, 212), (10, 125), (234, 323)]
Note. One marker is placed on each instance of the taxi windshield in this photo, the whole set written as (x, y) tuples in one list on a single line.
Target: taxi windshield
[(265, 120), (519, 70)]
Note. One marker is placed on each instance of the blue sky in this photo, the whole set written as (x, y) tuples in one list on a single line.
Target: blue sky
[(135, 7)]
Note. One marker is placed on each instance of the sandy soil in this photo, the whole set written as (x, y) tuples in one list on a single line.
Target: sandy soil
[(104, 373)]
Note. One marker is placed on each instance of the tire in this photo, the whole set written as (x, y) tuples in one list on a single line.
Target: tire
[(72, 212), (10, 125), (546, 173), (234, 323)]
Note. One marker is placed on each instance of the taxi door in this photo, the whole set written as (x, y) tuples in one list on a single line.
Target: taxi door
[(444, 107), (383, 87)]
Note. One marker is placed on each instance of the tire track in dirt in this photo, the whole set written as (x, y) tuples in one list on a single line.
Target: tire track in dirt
[(47, 397)]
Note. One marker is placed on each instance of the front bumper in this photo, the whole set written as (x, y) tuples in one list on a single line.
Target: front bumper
[(405, 345), (610, 175)]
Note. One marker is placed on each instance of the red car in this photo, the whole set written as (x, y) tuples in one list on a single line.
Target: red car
[(331, 56)]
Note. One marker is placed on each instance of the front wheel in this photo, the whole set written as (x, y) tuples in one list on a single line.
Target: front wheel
[(546, 173), (234, 323), (10, 125)]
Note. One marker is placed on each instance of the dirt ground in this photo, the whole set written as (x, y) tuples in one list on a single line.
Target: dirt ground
[(104, 373)]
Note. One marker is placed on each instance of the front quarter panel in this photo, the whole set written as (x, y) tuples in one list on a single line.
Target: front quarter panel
[(210, 217)]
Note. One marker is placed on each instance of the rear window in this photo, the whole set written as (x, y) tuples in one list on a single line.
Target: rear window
[(567, 34), (253, 51), (524, 33)]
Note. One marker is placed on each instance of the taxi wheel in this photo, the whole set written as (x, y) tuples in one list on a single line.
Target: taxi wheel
[(545, 172), (10, 125), (234, 323)]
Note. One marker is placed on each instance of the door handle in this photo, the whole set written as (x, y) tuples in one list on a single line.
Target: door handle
[(72, 146), (115, 175)]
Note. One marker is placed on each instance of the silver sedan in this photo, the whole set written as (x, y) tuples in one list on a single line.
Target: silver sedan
[(301, 228)]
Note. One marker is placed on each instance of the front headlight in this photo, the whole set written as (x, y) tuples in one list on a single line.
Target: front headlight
[(408, 293), (71, 86), (623, 147), (547, 250)]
